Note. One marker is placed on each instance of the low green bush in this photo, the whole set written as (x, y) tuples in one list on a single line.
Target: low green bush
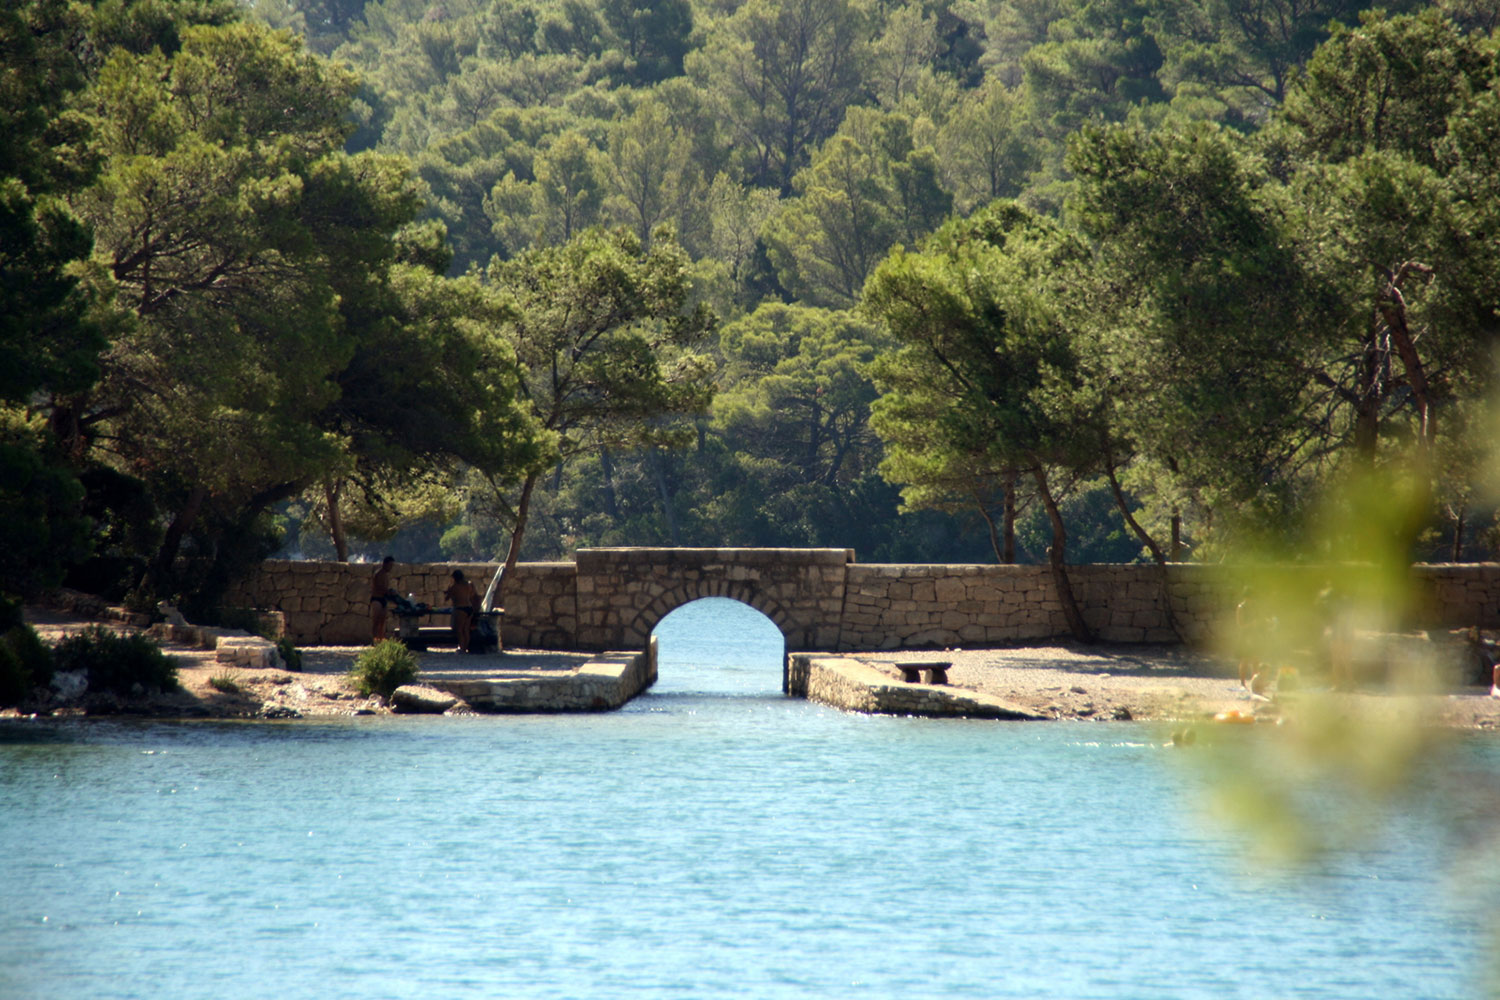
[(25, 663), (291, 656), (116, 662), (15, 680), (383, 668)]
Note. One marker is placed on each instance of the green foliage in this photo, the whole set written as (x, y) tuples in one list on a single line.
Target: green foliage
[(1388, 84), (383, 668), (601, 325), (1200, 288), (1100, 60), (291, 656), (224, 202), (116, 662), (869, 189), (797, 391), (1348, 766), (244, 227), (15, 680), (987, 384), (986, 146), (42, 530), (211, 310), (783, 71), (1234, 62), (648, 172), (983, 348), (25, 663), (604, 331), (564, 198)]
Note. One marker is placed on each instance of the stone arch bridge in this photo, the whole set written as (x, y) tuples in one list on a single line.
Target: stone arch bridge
[(820, 599), (623, 593)]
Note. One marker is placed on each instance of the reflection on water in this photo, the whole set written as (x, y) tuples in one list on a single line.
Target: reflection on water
[(691, 845)]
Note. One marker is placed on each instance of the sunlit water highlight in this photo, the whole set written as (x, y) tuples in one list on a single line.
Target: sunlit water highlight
[(710, 840)]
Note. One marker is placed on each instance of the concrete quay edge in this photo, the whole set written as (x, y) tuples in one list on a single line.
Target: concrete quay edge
[(846, 683)]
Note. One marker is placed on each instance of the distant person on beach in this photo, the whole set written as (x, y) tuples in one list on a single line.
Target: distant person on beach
[(1339, 637), (380, 597), (1483, 665), (465, 604), (1244, 623)]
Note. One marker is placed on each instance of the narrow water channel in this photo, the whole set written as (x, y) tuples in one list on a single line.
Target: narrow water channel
[(712, 839)]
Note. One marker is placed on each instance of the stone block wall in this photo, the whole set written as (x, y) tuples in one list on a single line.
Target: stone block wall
[(1460, 594), (328, 604), (541, 606), (916, 606), (820, 598)]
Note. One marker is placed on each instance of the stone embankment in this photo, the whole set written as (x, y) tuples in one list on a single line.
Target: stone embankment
[(600, 683), (849, 684)]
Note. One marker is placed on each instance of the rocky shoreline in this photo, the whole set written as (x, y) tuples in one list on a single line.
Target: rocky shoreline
[(1059, 681)]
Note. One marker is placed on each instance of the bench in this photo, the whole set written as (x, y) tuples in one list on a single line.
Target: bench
[(485, 636), (911, 670)]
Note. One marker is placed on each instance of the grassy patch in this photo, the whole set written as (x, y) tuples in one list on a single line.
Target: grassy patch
[(225, 683)]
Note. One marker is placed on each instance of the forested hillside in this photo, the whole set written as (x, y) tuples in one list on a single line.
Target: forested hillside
[(957, 280)]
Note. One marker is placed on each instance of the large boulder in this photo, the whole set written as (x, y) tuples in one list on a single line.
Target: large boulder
[(419, 699)]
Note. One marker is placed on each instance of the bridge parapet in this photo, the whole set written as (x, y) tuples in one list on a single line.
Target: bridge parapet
[(624, 592)]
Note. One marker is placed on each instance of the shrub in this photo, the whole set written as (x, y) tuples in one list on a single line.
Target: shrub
[(15, 682), (25, 660), (383, 668), (291, 656), (25, 664), (116, 662)]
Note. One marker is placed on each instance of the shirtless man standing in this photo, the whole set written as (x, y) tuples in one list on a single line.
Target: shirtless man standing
[(380, 590), (465, 604)]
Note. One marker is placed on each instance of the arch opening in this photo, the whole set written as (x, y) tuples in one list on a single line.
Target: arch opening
[(718, 646)]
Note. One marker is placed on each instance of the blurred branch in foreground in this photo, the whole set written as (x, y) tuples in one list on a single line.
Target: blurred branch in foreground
[(1328, 630)]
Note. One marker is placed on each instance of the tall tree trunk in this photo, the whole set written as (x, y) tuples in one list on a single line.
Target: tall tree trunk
[(1057, 554), (160, 569), (331, 490), (1176, 535), (607, 470), (229, 557), (1156, 554), (668, 514), (1368, 397), (1123, 506), (518, 533), (1459, 517), (1393, 311), (1008, 530), (994, 532)]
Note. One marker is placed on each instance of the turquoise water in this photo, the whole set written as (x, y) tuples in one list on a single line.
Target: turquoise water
[(711, 840)]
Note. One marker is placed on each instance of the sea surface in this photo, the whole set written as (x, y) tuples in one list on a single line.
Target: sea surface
[(712, 839)]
